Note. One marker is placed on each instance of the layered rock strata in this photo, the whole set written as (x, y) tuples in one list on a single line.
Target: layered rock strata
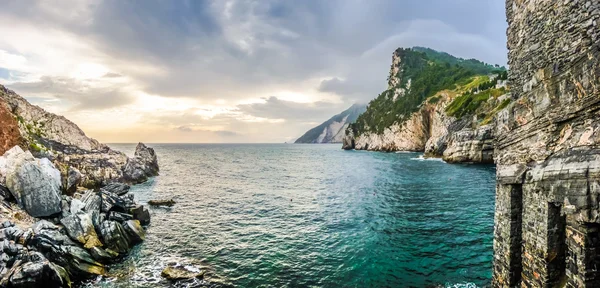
[(547, 217)]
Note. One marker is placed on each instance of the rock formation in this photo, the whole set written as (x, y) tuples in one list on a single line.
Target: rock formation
[(79, 158), (332, 130), (54, 231), (453, 123), (547, 217)]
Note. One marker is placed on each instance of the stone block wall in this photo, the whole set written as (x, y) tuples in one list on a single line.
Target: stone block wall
[(547, 219)]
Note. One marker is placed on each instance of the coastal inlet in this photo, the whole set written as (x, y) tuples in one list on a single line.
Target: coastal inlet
[(276, 215)]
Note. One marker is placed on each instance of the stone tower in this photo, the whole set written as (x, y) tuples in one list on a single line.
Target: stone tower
[(547, 218)]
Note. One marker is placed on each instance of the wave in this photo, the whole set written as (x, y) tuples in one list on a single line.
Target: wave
[(461, 285), (421, 158)]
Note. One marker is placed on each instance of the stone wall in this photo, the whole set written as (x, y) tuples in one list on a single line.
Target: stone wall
[(547, 217)]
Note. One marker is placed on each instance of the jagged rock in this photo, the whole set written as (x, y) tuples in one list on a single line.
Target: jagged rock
[(92, 201), (135, 231), (117, 188), (471, 145), (35, 183), (61, 250), (162, 202), (144, 164), (73, 179), (176, 273), (114, 236), (142, 214), (119, 217), (103, 255), (41, 273), (112, 202), (80, 228), (76, 206)]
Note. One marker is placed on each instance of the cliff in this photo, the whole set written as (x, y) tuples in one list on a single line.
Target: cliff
[(547, 217), (435, 103), (54, 137), (332, 130)]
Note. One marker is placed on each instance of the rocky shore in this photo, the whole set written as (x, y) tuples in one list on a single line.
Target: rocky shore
[(65, 207), (456, 124)]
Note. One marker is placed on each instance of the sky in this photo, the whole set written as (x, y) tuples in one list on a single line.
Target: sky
[(212, 71)]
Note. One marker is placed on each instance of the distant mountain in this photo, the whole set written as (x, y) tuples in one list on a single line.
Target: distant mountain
[(332, 130)]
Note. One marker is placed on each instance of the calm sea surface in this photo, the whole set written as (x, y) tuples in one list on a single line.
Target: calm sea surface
[(282, 215)]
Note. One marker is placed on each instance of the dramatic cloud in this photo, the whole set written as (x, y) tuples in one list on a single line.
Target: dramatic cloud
[(185, 70)]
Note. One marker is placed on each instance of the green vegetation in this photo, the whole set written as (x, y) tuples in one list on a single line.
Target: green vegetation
[(468, 103), (429, 72), (35, 147)]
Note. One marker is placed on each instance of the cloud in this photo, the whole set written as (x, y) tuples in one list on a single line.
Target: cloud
[(275, 108), (212, 65), (82, 95)]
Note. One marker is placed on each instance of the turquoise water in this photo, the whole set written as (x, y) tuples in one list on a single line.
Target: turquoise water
[(277, 215)]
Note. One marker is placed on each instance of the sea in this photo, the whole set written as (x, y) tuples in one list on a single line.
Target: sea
[(293, 215)]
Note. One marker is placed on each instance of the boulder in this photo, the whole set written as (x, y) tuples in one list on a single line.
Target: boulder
[(135, 231), (141, 213), (61, 250), (35, 183), (92, 201), (73, 180), (162, 202), (176, 273), (80, 228), (114, 236), (119, 217), (144, 164), (117, 188), (103, 255), (41, 273), (113, 202)]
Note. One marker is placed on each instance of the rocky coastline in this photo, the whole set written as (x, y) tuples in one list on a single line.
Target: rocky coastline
[(465, 137), (65, 207)]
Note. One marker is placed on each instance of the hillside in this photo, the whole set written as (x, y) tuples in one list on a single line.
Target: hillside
[(332, 130), (434, 101)]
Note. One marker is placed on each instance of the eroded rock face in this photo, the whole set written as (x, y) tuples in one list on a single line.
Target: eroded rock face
[(432, 131), (548, 162), (470, 145), (9, 134)]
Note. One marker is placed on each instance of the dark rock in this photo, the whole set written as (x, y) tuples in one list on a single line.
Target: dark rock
[(119, 217), (134, 230), (40, 273), (61, 250), (81, 228), (73, 180), (92, 201), (117, 188), (162, 202), (113, 202), (114, 236), (5, 193), (142, 214), (144, 164), (103, 255)]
